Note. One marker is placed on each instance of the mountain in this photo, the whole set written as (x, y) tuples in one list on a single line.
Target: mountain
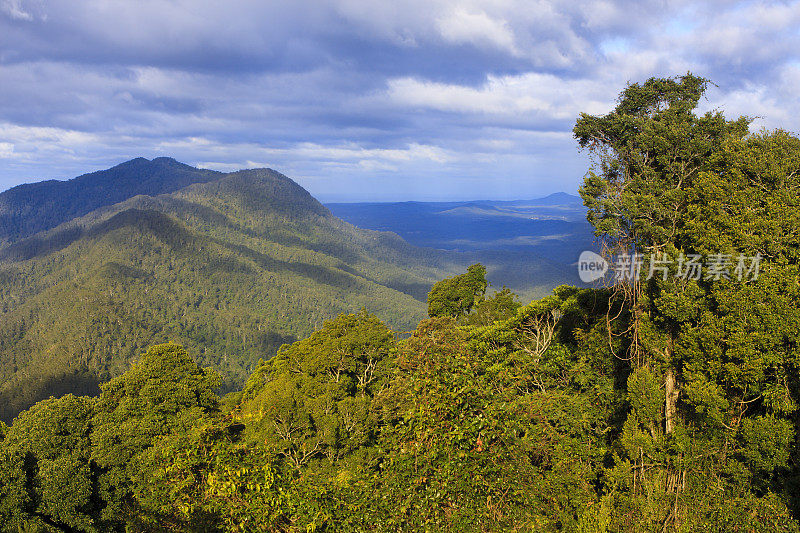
[(557, 198), (232, 265), (33, 207)]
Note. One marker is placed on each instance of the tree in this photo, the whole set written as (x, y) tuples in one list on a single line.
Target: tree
[(502, 305), (457, 296), (163, 393), (648, 151), (711, 361), (47, 476), (312, 401)]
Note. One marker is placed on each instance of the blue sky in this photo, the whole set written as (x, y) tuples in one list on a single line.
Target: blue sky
[(362, 99)]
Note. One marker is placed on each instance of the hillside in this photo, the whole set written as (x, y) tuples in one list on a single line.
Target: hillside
[(232, 267), (33, 207)]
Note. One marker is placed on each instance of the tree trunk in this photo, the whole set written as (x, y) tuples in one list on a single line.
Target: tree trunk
[(670, 402)]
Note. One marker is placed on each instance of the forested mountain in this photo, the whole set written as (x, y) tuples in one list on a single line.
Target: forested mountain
[(232, 268), (33, 207)]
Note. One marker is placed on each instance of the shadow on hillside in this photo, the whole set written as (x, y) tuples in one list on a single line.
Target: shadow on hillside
[(172, 233), (20, 394)]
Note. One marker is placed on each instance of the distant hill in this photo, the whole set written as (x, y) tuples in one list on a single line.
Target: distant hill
[(33, 207), (557, 198), (544, 234), (231, 265)]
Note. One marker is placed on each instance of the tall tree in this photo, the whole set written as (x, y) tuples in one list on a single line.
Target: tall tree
[(457, 296), (163, 393), (711, 357), (647, 152)]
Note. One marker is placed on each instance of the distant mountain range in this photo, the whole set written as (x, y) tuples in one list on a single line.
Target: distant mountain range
[(550, 231)]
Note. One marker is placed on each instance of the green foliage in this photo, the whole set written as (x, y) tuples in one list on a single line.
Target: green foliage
[(502, 305), (499, 427), (164, 392), (207, 479), (645, 396), (312, 402), (648, 151), (457, 296), (713, 362), (47, 477)]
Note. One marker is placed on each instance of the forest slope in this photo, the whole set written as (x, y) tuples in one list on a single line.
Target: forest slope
[(232, 268)]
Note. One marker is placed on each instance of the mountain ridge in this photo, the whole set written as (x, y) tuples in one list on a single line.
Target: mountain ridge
[(33, 207)]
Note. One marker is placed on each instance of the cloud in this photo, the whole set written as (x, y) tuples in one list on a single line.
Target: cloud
[(530, 94), (13, 8), (418, 98), (6, 150), (32, 137), (476, 27), (351, 154)]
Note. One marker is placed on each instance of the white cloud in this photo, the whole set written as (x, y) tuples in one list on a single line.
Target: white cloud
[(306, 151), (6, 150), (476, 27), (46, 136), (542, 96), (354, 152), (222, 167), (14, 9)]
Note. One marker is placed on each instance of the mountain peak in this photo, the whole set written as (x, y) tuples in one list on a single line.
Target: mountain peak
[(30, 208), (559, 198), (143, 162), (260, 189)]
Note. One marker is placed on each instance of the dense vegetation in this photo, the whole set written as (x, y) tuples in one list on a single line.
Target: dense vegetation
[(231, 269), (666, 404)]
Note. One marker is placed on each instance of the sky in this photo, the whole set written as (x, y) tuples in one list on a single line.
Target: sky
[(367, 100)]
